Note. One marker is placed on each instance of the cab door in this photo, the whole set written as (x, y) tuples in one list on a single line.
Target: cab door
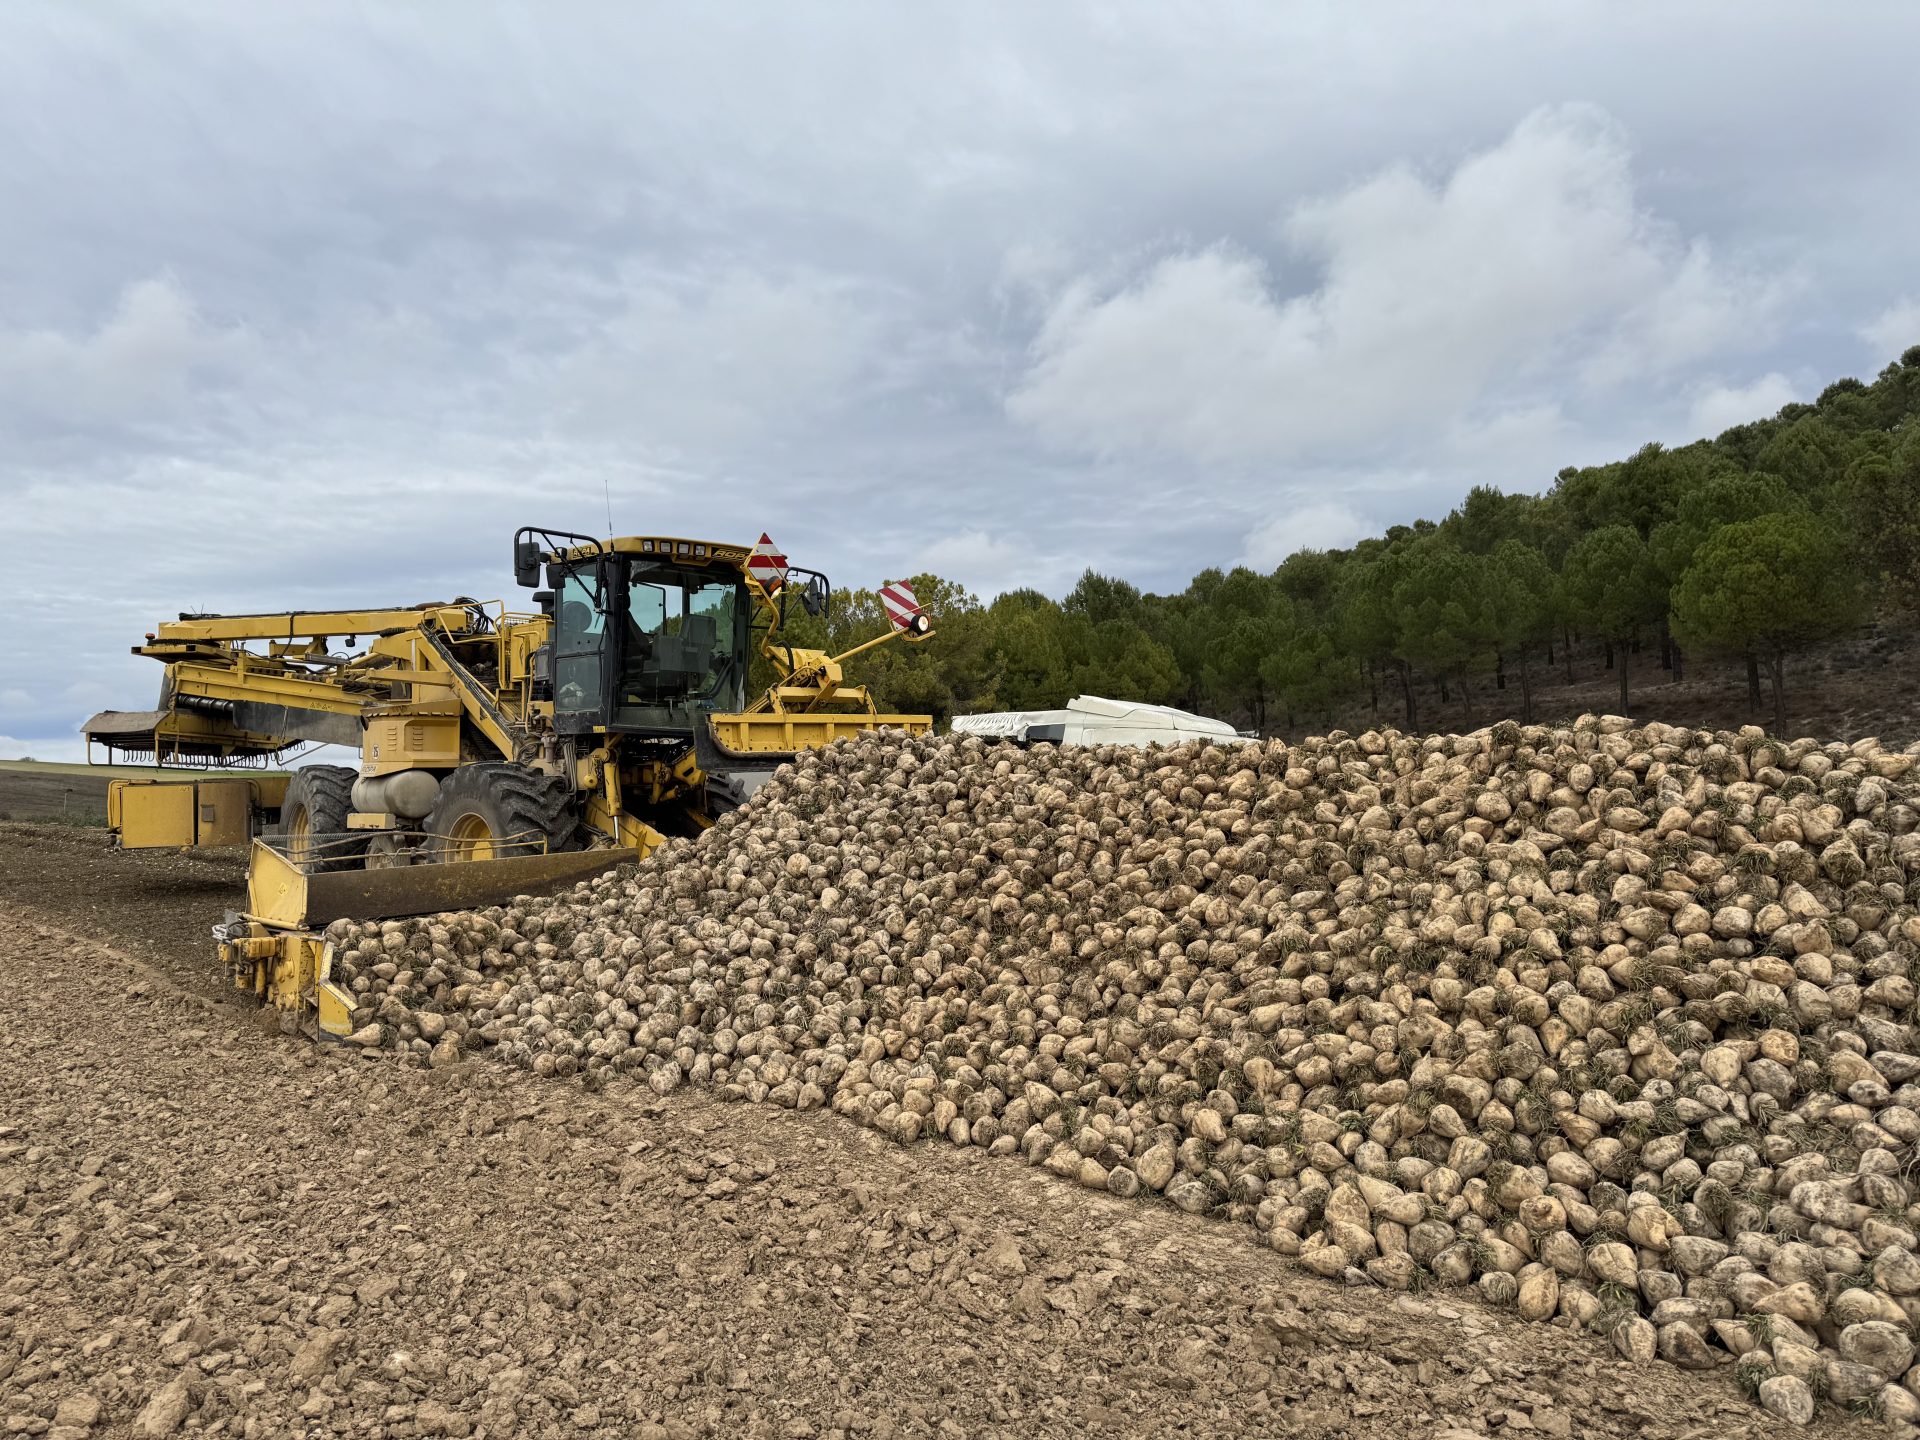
[(584, 662)]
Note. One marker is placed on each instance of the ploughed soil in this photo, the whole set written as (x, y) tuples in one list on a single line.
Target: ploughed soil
[(59, 794), (158, 905), (212, 1227), (63, 794)]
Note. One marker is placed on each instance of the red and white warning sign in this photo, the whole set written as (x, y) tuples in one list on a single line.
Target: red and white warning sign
[(767, 565), (897, 598)]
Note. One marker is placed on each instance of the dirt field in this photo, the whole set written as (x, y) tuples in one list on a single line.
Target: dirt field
[(216, 1229), (159, 905), (74, 794), (65, 794)]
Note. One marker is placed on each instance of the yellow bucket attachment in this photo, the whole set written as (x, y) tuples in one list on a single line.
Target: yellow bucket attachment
[(777, 735), (282, 895), (273, 949)]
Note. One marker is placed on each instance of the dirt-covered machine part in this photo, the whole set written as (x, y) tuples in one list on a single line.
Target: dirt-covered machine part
[(500, 750)]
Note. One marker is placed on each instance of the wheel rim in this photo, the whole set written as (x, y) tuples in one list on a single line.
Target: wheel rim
[(471, 838), (385, 853)]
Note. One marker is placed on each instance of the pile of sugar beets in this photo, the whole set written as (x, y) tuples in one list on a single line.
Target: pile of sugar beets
[(1616, 1023)]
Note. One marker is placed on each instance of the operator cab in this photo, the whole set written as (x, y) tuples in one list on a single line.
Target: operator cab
[(649, 632)]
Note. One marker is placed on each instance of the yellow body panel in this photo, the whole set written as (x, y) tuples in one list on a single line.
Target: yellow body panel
[(223, 811), (775, 732), (180, 813), (410, 742), (151, 814), (307, 625)]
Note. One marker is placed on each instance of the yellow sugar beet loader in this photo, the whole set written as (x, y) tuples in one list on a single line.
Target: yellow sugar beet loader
[(501, 751)]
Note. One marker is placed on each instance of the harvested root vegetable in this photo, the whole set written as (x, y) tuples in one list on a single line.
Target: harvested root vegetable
[(1616, 1024)]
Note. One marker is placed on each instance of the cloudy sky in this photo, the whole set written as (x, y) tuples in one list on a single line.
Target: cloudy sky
[(305, 305)]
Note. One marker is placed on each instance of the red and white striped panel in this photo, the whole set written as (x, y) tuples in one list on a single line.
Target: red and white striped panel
[(897, 598), (767, 565)]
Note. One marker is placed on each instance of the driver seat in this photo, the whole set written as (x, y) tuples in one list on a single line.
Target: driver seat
[(689, 654)]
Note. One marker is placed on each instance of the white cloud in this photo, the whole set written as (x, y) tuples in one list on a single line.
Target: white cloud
[(990, 564), (1519, 447), (1894, 330), (1433, 299), (1722, 407), (68, 751), (1697, 310), (1322, 525), (142, 362)]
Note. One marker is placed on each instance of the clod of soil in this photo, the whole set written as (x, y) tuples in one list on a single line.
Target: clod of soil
[(1615, 1024)]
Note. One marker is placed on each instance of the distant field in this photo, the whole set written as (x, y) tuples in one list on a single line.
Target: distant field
[(108, 772), (76, 794)]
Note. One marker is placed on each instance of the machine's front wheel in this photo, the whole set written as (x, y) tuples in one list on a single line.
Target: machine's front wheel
[(492, 811), (728, 790), (313, 820)]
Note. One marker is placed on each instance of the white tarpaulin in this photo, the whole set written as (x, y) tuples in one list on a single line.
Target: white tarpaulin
[(1093, 720)]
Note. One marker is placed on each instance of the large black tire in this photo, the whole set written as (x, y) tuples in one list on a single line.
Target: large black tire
[(313, 820), (727, 791), (501, 809)]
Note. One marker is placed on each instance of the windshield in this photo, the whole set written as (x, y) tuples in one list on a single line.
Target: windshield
[(682, 637)]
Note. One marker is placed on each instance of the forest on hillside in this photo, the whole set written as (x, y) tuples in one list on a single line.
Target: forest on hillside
[(1741, 551)]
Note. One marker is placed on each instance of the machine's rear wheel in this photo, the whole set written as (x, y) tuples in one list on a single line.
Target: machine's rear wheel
[(385, 852), (313, 819), (496, 810)]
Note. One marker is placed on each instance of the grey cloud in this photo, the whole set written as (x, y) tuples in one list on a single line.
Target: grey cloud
[(143, 365), (306, 305)]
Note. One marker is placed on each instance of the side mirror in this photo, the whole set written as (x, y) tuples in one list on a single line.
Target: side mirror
[(526, 563), (813, 599)]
